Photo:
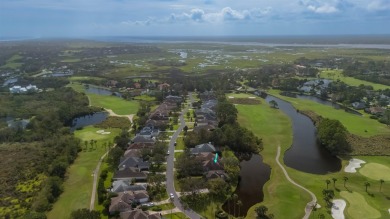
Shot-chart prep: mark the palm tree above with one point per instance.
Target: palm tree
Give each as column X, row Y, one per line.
column 345, row 180
column 327, row 183
column 235, row 196
column 239, row 204
column 367, row 184
column 334, row 182
column 381, row 181
column 86, row 144
column 95, row 142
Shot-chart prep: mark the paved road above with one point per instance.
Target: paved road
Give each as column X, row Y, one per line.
column 309, row 205
column 170, row 173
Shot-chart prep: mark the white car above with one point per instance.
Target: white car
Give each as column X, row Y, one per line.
column 171, row 195
column 168, row 152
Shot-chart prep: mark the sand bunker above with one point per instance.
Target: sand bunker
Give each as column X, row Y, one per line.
column 230, row 97
column 106, row 133
column 251, row 97
column 338, row 208
column 100, row 131
column 353, row 164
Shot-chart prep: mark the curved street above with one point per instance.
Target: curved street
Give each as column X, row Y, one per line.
column 309, row 206
column 170, row 164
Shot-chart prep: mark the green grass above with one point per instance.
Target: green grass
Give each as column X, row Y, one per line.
column 180, row 144
column 282, row 198
column 116, row 104
column 359, row 125
column 376, row 171
column 145, row 98
column 337, row 75
column 78, row 185
column 358, row 206
column 178, row 215
column 164, row 207
column 13, row 62
column 84, row 78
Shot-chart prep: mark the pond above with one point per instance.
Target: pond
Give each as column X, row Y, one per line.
column 305, row 154
column 90, row 119
column 253, row 175
column 328, row 103
column 101, row 91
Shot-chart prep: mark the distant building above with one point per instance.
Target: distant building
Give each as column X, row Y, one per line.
column 21, row 90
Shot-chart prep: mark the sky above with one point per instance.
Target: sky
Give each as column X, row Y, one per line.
column 75, row 18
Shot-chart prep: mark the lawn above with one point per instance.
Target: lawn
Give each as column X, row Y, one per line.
column 116, row 104
column 376, row 171
column 359, row 125
column 358, row 206
column 178, row 215
column 337, row 75
column 13, row 62
column 78, row 185
column 282, row 198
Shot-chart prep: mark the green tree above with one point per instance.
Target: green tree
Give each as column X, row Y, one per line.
column 235, row 197
column 239, row 204
column 114, row 157
column 345, row 180
column 327, row 183
column 261, row 212
column 218, row 188
column 273, row 104
column 381, row 181
column 333, row 136
column 334, row 182
column 226, row 112
column 367, row 184
column 84, row 214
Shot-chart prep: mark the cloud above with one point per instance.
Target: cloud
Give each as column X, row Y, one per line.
column 226, row 14
column 324, row 9
column 378, row 5
column 321, row 7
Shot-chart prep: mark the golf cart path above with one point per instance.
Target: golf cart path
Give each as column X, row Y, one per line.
column 111, row 113
column 309, row 205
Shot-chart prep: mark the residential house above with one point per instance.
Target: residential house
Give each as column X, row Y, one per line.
column 134, row 162
column 173, row 99
column 208, row 163
column 163, row 86
column 124, row 200
column 142, row 139
column 375, row 110
column 214, row 174
column 149, row 131
column 358, row 105
column 125, row 185
column 137, row 85
column 139, row 214
column 140, row 145
column 129, row 173
column 203, row 148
